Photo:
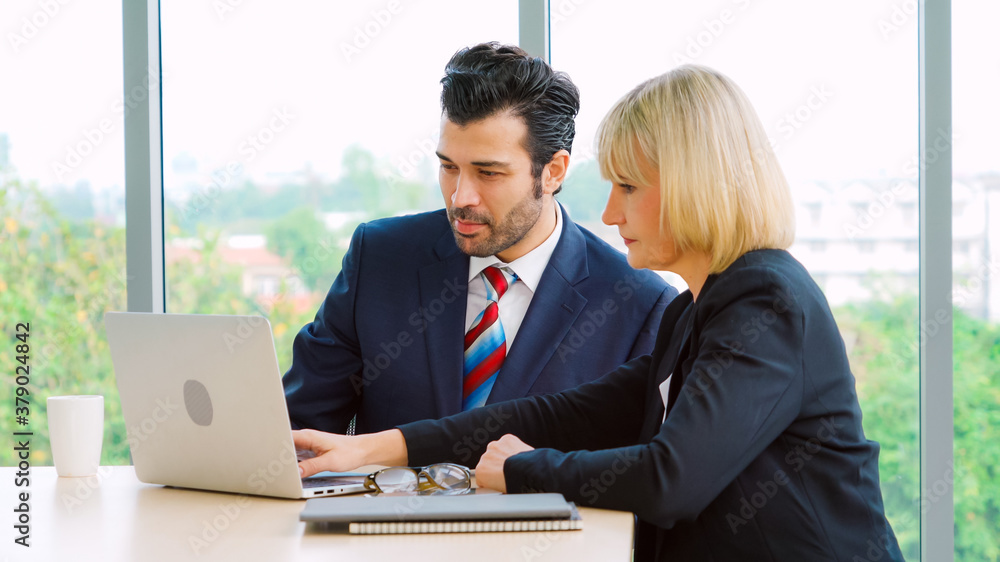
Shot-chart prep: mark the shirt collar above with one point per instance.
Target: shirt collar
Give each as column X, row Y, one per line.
column 529, row 267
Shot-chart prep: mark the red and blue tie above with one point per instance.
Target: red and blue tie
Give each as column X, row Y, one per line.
column 485, row 343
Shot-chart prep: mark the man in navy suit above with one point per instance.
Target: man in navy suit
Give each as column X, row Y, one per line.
column 389, row 345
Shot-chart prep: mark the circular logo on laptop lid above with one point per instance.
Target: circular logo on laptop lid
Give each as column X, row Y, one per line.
column 197, row 402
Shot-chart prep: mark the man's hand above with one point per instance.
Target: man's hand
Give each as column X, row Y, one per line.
column 340, row 453
column 489, row 471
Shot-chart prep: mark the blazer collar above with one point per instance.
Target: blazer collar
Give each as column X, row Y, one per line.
column 570, row 256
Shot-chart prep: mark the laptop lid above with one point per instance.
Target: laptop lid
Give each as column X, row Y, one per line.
column 203, row 404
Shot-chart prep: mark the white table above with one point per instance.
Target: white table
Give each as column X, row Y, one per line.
column 113, row 516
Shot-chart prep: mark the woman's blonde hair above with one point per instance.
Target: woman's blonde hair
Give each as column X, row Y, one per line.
column 722, row 190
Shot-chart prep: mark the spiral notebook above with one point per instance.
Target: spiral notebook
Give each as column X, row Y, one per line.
column 362, row 515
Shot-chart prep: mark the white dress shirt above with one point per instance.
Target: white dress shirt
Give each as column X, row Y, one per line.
column 664, row 394
column 514, row 303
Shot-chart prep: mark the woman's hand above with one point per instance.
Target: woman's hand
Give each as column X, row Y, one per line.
column 489, row 471
column 328, row 451
column 340, row 453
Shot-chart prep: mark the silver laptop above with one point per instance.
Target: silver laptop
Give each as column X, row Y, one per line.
column 204, row 407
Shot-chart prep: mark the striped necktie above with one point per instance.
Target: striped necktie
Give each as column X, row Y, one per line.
column 485, row 343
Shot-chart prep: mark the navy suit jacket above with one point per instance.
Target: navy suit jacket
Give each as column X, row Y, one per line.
column 386, row 344
column 761, row 455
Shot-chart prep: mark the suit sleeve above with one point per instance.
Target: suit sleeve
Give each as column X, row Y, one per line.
column 743, row 388
column 574, row 419
column 324, row 384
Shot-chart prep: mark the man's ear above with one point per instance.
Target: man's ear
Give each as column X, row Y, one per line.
column 554, row 172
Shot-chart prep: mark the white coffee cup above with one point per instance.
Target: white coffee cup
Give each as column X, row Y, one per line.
column 76, row 432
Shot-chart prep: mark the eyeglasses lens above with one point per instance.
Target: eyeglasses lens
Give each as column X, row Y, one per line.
column 397, row 480
column 449, row 477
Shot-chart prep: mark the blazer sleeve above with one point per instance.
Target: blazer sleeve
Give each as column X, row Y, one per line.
column 573, row 419
column 742, row 390
column 324, row 384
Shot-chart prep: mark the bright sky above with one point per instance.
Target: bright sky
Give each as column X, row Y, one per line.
column 835, row 84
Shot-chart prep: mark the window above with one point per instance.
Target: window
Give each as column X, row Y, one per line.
column 309, row 108
column 975, row 481
column 62, row 212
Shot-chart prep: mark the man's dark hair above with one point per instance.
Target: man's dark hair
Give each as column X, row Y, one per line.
column 489, row 78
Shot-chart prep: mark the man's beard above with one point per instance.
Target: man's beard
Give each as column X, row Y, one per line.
column 509, row 231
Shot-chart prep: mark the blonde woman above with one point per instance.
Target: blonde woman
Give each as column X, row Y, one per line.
column 739, row 437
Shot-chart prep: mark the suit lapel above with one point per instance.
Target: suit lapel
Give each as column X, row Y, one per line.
column 554, row 308
column 444, row 288
column 666, row 362
column 684, row 349
column 688, row 344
